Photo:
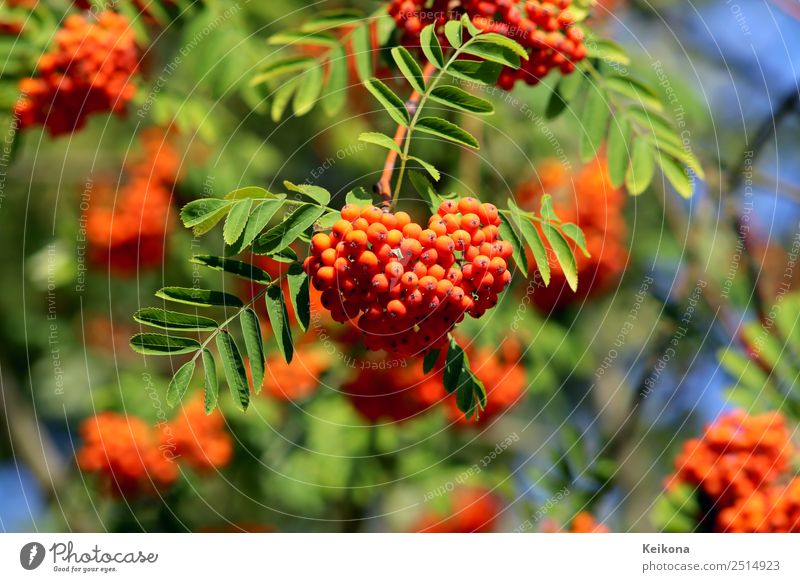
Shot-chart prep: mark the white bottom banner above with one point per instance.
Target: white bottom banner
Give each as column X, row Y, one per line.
column 357, row 557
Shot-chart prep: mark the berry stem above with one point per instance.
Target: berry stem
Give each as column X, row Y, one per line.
column 384, row 186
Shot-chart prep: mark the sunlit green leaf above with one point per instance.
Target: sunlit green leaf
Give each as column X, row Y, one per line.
column 446, row 130
column 180, row 383
column 173, row 320
column 156, row 344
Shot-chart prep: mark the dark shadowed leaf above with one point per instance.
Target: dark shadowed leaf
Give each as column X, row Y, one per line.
column 483, row 72
column 212, row 381
column 233, row 365
column 299, row 294
column 455, row 362
column 198, row 297
column 254, row 344
column 426, row 190
column 429, row 362
column 234, row 267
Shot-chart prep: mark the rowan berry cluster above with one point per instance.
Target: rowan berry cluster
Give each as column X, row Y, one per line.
column 200, row 439
column 775, row 509
column 405, row 286
column 397, row 393
column 545, row 29
column 124, row 450
column 89, row 70
column 134, row 458
column 589, row 199
column 472, row 510
column 128, row 231
column 393, row 393
column 741, row 466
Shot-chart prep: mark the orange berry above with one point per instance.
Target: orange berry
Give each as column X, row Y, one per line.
column 377, row 233
column 412, row 230
column 420, row 270
column 429, row 257
column 444, row 245
column 372, row 214
column 327, row 275
column 427, row 237
column 402, row 219
column 394, row 237
column 320, row 242
column 438, row 226
column 340, row 229
column 468, row 205
column 350, row 212
column 409, row 280
column 328, row 256
column 394, row 270
column 389, row 220
column 436, row 271
column 396, row 308
column 356, row 240
column 448, row 207
column 470, row 222
column 380, row 283
column 368, row 261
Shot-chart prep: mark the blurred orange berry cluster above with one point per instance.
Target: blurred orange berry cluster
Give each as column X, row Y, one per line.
column 588, row 199
column 741, row 466
column 128, row 231
column 298, row 380
column 472, row 510
column 89, row 70
column 399, row 390
column 583, row 522
column 133, row 458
